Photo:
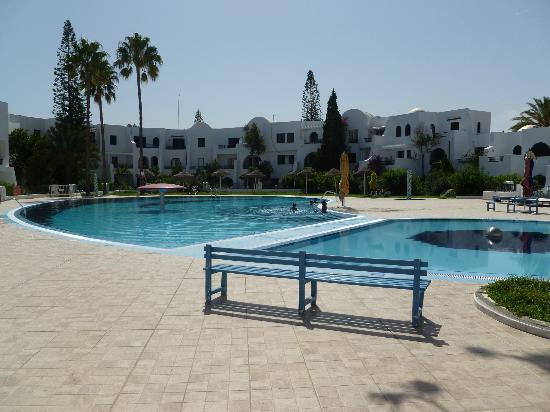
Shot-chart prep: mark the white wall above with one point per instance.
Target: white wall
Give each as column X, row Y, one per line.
column 7, row 174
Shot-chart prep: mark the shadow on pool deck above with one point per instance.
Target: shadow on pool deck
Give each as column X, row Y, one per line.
column 339, row 322
column 540, row 360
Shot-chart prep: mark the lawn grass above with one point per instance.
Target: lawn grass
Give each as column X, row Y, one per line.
column 523, row 296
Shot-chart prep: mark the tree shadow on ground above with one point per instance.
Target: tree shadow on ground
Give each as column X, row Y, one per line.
column 413, row 391
column 317, row 319
column 540, row 360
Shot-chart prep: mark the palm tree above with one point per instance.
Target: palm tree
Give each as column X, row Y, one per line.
column 85, row 64
column 105, row 86
column 537, row 115
column 135, row 53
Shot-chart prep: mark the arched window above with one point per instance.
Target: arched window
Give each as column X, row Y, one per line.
column 437, row 155
column 154, row 161
column 250, row 161
column 145, row 164
column 541, row 149
column 478, row 127
column 398, row 131
column 309, row 159
column 314, row 137
column 432, row 128
column 517, row 150
column 539, row 180
column 408, row 130
column 156, row 142
column 175, row 162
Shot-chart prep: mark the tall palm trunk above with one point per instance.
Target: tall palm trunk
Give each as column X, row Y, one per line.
column 103, row 158
column 138, row 75
column 87, row 142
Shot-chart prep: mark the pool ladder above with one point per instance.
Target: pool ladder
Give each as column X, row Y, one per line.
column 22, row 207
column 329, row 192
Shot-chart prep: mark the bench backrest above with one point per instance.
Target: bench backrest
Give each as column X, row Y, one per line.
column 304, row 260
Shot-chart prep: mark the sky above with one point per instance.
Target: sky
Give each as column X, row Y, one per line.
column 239, row 59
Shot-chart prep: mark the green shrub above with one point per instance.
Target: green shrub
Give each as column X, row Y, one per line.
column 470, row 181
column 523, row 296
column 395, row 181
column 9, row 188
column 437, row 182
column 497, row 182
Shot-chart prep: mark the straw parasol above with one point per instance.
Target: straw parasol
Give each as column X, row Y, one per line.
column 363, row 171
column 344, row 181
column 221, row 174
column 306, row 171
column 334, row 173
column 185, row 176
column 256, row 174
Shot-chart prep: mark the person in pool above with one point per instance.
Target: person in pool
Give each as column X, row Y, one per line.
column 324, row 206
column 293, row 208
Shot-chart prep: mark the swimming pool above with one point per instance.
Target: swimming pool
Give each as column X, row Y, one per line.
column 449, row 246
column 184, row 220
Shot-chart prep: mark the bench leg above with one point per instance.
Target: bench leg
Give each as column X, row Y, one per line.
column 313, row 293
column 301, row 296
column 224, row 285
column 208, row 287
column 416, row 311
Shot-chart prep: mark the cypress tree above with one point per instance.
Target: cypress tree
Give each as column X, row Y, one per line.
column 198, row 117
column 311, row 102
column 67, row 138
column 334, row 141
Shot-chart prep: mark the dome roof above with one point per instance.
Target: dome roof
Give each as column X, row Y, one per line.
column 526, row 127
column 416, row 110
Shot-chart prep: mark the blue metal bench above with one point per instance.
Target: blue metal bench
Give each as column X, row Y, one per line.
column 313, row 268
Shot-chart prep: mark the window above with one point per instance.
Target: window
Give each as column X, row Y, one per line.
column 290, row 137
column 143, row 140
column 400, row 154
column 314, row 138
column 201, row 142
column 409, row 154
column 478, row 127
column 145, row 164
column 114, row 161
column 290, row 159
column 178, row 144
column 154, row 161
column 233, row 142
column 353, row 136
column 280, row 137
column 200, row 162
column 408, row 130
column 398, row 131
column 352, row 157
column 112, row 140
column 36, row 132
column 517, row 150
column 175, row 162
column 432, row 127
column 156, row 142
column 455, row 125
column 281, row 159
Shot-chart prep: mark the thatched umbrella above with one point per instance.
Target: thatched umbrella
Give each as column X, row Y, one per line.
column 293, row 173
column 185, row 176
column 221, row 174
column 306, row 171
column 363, row 172
column 334, row 173
column 256, row 174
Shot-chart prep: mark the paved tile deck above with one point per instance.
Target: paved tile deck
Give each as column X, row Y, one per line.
column 93, row 327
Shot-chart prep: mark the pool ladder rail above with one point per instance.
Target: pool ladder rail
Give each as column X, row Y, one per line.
column 22, row 207
column 330, row 192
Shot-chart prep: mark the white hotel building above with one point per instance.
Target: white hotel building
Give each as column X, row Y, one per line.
column 289, row 145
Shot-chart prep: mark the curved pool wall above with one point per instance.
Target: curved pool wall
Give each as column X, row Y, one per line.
column 523, row 248
column 185, row 220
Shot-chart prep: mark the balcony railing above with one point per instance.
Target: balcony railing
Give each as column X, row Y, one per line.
column 313, row 142
column 227, row 166
column 227, row 146
column 368, row 139
column 169, row 147
column 388, row 161
column 123, row 165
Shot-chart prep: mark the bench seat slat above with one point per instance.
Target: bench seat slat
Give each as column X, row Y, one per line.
column 255, row 252
column 366, row 268
column 258, row 271
column 313, row 258
column 254, row 259
column 371, row 280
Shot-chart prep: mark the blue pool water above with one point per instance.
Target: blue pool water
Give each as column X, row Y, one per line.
column 184, row 221
column 449, row 246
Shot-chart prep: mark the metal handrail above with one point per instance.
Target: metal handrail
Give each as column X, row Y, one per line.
column 331, row 192
column 22, row 207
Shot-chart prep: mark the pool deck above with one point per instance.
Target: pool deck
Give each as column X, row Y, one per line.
column 88, row 326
